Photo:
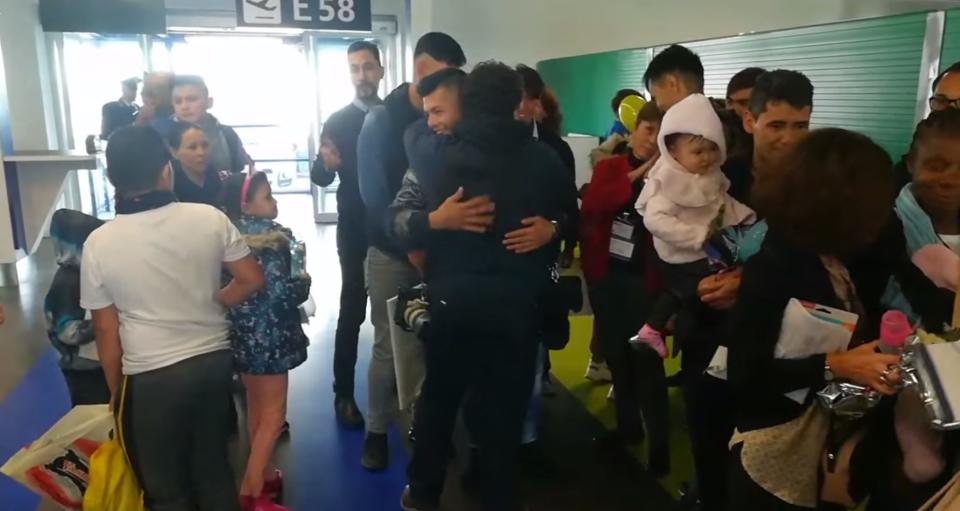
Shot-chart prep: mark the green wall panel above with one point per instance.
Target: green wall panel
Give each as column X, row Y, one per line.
column 865, row 73
column 951, row 40
column 585, row 85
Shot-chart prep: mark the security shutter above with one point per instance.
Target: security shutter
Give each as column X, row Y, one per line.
column 865, row 73
column 585, row 85
column 951, row 40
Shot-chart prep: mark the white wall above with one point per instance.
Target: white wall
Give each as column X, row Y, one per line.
column 29, row 87
column 528, row 31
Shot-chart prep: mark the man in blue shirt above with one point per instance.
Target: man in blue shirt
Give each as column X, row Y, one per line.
column 381, row 164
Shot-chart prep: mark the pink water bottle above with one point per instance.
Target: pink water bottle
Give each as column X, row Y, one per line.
column 894, row 330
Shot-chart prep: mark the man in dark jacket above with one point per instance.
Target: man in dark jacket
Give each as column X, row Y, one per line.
column 946, row 94
column 191, row 103
column 486, row 300
column 338, row 156
column 120, row 113
column 381, row 164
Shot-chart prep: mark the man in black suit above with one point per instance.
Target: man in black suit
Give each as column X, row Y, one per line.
column 120, row 113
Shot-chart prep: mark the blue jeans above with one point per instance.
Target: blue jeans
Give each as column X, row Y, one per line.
column 531, row 422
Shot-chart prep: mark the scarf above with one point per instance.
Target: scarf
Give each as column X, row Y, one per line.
column 926, row 250
column 146, row 202
column 917, row 226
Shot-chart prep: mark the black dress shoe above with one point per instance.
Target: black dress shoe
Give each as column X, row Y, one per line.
column 408, row 503
column 615, row 441
column 348, row 415
column 535, row 461
column 658, row 461
column 376, row 455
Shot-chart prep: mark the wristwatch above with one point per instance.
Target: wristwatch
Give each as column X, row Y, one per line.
column 827, row 372
column 556, row 229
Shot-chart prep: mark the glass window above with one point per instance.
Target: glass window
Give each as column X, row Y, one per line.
column 94, row 67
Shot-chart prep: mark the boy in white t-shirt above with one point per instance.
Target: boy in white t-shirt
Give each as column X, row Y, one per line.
column 151, row 278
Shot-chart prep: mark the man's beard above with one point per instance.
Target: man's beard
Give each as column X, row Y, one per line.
column 366, row 91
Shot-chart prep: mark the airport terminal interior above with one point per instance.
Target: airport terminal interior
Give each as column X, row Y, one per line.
column 693, row 255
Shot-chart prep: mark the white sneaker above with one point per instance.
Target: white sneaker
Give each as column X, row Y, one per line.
column 610, row 395
column 598, row 372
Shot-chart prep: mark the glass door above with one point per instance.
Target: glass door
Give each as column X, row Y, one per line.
column 93, row 68
column 260, row 86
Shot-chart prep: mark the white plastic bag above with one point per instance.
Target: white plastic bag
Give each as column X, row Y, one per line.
column 56, row 465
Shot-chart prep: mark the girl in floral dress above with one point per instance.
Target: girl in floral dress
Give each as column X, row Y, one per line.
column 267, row 338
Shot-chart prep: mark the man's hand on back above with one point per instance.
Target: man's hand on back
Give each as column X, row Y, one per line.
column 455, row 214
column 538, row 232
column 720, row 291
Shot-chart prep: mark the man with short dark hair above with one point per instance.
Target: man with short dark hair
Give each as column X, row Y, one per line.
column 779, row 117
column 191, row 103
column 338, row 156
column 120, row 113
column 672, row 75
column 946, row 89
column 946, row 94
column 381, row 164
column 485, row 298
column 740, row 87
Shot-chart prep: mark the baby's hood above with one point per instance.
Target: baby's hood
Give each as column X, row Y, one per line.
column 694, row 115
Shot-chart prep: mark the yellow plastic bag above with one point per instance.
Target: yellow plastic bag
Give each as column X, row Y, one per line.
column 113, row 485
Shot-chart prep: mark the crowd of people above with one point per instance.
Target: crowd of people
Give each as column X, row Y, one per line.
column 702, row 222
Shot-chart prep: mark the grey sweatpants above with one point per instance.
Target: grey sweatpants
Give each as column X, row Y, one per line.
column 386, row 275
column 175, row 428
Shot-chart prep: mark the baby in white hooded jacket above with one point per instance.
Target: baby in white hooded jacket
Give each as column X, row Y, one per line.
column 685, row 201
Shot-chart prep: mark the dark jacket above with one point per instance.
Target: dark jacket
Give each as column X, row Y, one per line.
column 187, row 191
column 238, row 154
column 779, row 272
column 266, row 334
column 116, row 115
column 562, row 149
column 382, row 162
column 343, row 128
column 499, row 159
column 67, row 326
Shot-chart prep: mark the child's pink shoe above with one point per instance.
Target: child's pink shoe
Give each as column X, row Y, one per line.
column 652, row 338
column 261, row 503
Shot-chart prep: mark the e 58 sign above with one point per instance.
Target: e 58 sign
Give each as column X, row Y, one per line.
column 352, row 15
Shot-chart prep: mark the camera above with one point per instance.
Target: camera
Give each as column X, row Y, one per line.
column 412, row 313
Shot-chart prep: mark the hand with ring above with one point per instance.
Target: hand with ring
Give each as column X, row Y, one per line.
column 865, row 366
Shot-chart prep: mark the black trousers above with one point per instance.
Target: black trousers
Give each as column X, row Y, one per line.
column 352, row 250
column 620, row 308
column 87, row 387
column 709, row 403
column 175, row 427
column 482, row 342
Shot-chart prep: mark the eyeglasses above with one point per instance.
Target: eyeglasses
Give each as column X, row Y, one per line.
column 941, row 102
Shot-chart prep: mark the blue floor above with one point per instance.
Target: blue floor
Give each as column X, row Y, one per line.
column 322, row 461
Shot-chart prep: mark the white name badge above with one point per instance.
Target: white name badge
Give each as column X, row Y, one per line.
column 622, row 229
column 621, row 249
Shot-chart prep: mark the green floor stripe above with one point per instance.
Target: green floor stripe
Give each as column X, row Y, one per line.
column 568, row 367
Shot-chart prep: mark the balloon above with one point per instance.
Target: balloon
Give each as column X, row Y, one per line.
column 629, row 111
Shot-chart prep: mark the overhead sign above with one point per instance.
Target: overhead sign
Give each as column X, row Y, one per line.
column 351, row 15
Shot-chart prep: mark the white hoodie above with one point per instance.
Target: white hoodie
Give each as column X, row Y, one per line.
column 679, row 206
